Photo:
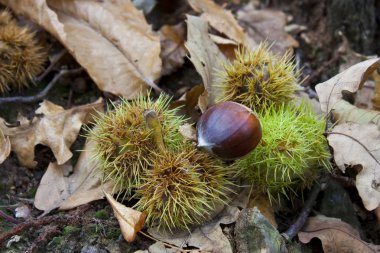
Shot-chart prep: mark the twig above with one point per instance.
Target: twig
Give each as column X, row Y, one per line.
column 298, row 224
column 43, row 93
column 8, row 218
column 51, row 66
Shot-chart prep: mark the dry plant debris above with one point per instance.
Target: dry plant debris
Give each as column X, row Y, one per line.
column 114, row 43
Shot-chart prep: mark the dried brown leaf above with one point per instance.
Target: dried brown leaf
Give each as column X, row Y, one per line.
column 222, row 20
column 110, row 39
column 173, row 49
column 205, row 55
column 208, row 237
column 5, row 146
column 53, row 127
column 336, row 236
column 267, row 25
column 57, row 189
column 130, row 220
column 53, row 188
column 331, row 92
column 358, row 144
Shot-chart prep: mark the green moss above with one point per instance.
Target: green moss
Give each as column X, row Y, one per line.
column 291, row 153
column 102, row 214
column 70, row 230
column 258, row 79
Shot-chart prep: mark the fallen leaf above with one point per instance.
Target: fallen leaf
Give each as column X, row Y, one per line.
column 173, row 50
column 85, row 184
column 336, row 236
column 226, row 46
column 5, row 146
column 222, row 20
column 187, row 103
column 53, row 127
column 110, row 39
column 267, row 25
column 57, row 189
column 207, row 238
column 358, row 144
column 350, row 80
column 188, row 132
column 205, row 55
column 130, row 220
column 53, row 188
column 346, row 112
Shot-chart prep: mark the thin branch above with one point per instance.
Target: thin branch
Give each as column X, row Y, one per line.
column 8, row 218
column 298, row 224
column 57, row 58
column 43, row 93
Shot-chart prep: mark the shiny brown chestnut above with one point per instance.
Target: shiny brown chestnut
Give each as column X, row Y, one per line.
column 228, row 130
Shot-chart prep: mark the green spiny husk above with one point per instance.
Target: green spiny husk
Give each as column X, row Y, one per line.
column 258, row 79
column 124, row 142
column 291, row 154
column 182, row 188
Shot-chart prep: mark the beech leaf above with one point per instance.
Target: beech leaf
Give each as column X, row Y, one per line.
column 336, row 236
column 130, row 220
column 358, row 144
column 110, row 39
column 53, row 127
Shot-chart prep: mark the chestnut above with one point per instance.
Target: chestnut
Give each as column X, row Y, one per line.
column 228, row 130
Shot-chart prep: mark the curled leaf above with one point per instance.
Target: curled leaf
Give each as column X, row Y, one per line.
column 130, row 220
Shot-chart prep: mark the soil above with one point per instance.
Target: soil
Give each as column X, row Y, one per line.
column 92, row 227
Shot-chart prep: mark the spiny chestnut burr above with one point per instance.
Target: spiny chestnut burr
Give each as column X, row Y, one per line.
column 228, row 130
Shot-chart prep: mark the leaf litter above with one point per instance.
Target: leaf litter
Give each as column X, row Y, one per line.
column 126, row 67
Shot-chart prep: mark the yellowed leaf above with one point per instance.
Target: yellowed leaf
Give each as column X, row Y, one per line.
column 358, row 144
column 267, row 25
column 222, row 20
column 130, row 220
column 173, row 50
column 58, row 189
column 5, row 146
column 110, row 39
column 336, row 236
column 205, row 55
column 53, row 127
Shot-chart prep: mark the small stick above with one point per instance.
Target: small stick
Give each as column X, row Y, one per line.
column 153, row 123
column 298, row 224
column 8, row 218
column 50, row 67
column 43, row 93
